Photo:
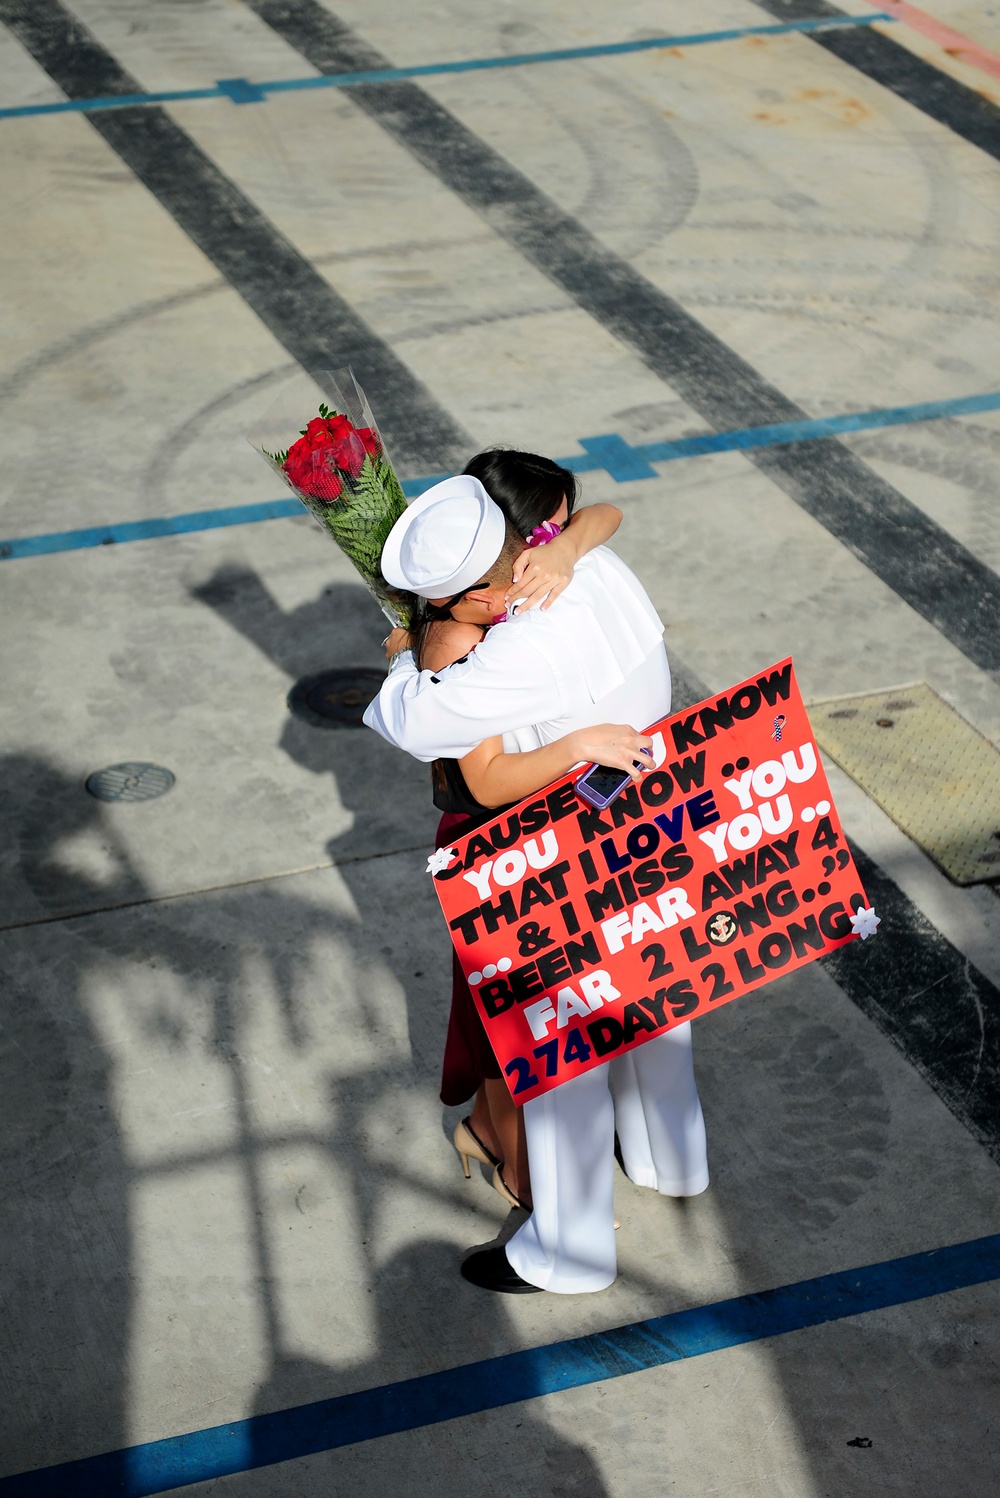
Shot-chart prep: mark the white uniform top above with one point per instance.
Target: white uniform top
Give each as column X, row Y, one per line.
column 596, row 656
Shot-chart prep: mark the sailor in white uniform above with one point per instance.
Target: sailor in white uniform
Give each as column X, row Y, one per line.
column 595, row 656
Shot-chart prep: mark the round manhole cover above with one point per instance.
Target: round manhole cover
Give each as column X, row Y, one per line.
column 133, row 781
column 335, row 699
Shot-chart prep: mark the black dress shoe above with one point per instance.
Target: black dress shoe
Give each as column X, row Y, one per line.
column 491, row 1269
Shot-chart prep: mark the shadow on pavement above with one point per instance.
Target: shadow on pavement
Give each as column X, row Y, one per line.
column 65, row 1232
column 414, row 1292
column 185, row 977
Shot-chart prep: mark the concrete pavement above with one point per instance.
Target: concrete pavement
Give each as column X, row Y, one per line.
column 228, row 1186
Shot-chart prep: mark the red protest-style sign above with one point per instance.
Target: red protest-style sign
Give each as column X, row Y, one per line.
column 584, row 933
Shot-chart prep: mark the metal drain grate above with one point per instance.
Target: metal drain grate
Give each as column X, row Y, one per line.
column 335, row 699
column 133, row 781
column 935, row 775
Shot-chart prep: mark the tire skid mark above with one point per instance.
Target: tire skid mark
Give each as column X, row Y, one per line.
column 917, row 559
column 277, row 282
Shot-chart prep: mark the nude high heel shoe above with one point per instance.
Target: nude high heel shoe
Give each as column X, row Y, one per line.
column 469, row 1146
column 500, row 1185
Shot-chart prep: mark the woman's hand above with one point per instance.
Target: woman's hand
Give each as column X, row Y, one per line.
column 614, row 744
column 397, row 640
column 497, row 779
column 541, row 573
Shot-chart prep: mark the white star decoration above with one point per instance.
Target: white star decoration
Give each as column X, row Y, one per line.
column 865, row 922
column 440, row 859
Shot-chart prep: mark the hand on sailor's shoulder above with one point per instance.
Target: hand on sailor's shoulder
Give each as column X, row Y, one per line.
column 541, row 573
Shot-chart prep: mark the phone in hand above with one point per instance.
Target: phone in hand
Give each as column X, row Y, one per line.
column 601, row 784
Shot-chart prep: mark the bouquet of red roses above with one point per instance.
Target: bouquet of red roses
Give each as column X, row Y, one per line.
column 337, row 465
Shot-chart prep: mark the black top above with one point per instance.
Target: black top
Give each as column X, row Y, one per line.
column 451, row 792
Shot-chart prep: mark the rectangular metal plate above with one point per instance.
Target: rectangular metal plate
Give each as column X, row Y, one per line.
column 935, row 775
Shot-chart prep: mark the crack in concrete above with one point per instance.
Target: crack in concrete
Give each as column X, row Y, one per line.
column 208, row 889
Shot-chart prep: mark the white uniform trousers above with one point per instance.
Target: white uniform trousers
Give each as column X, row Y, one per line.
column 649, row 1094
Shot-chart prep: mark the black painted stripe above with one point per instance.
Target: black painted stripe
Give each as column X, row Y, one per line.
column 931, row 1002
column 928, row 999
column 920, row 561
column 302, row 310
column 885, row 61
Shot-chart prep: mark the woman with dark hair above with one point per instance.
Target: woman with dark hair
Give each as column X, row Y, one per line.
column 538, row 499
column 528, row 488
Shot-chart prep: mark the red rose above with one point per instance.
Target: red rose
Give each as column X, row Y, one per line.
column 317, row 432
column 345, row 446
column 311, row 472
column 326, row 445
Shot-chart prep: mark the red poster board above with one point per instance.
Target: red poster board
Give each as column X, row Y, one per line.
column 584, row 933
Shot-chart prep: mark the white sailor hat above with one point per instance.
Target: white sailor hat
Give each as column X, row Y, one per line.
column 446, row 541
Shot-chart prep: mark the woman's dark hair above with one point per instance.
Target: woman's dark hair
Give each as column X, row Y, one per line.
column 528, row 488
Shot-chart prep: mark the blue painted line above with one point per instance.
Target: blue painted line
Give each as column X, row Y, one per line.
column 783, row 433
column 415, row 1403
column 610, row 453
column 242, row 91
column 111, row 101
column 145, row 530
column 169, row 525
column 616, row 456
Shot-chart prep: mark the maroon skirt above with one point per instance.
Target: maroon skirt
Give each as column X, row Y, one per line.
column 468, row 1055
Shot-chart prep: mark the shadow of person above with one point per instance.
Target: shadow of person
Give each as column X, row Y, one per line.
column 387, row 793
column 65, row 1238
column 343, row 628
column 418, row 1292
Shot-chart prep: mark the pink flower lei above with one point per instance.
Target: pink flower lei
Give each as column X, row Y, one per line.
column 542, row 534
